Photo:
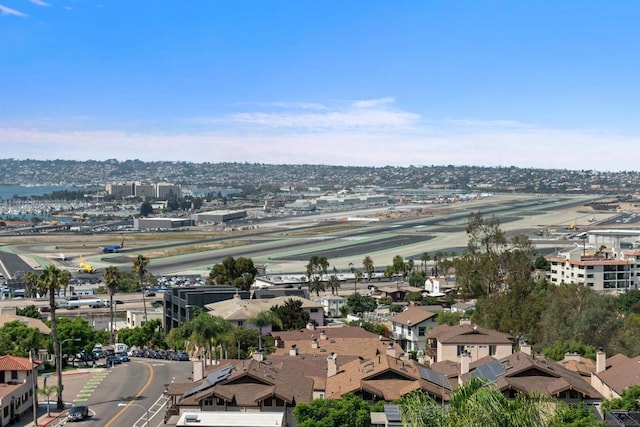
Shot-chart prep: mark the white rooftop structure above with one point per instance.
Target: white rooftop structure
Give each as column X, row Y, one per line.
column 235, row 419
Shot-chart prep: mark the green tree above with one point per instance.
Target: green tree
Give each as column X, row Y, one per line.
column 474, row 404
column 568, row 415
column 367, row 264
column 16, row 339
column 357, row 303
column 316, row 270
column 350, row 411
column 47, row 391
column 333, row 282
column 450, row 318
column 29, row 311
column 140, row 268
column 264, row 319
column 424, row 260
column 629, row 400
column 208, row 331
column 292, row 315
column 110, row 278
column 560, row 348
column 146, row 209
column 492, row 261
column 629, row 302
column 30, row 280
column 239, row 273
column 399, row 266
column 149, row 334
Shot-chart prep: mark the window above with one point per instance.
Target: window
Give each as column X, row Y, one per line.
column 460, row 350
column 240, row 322
column 421, row 331
column 492, row 350
column 14, row 375
column 313, row 310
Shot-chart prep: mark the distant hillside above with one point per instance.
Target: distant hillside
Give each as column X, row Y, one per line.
column 327, row 177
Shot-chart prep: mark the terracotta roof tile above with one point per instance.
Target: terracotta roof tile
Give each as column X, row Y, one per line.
column 13, row 363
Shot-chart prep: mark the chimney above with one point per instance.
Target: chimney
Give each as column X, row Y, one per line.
column 465, row 359
column 601, row 361
column 391, row 351
column 314, row 343
column 323, row 335
column 258, row 355
column 294, row 350
column 525, row 348
column 198, row 370
column 465, row 321
column 311, row 326
column 332, row 366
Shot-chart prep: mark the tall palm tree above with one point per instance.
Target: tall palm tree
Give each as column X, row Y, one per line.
column 208, row 330
column 51, row 279
column 334, row 283
column 110, row 277
column 424, row 258
column 357, row 278
column 140, row 268
column 264, row 319
column 47, row 391
column 367, row 264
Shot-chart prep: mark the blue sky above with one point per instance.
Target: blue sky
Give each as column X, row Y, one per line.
column 550, row 84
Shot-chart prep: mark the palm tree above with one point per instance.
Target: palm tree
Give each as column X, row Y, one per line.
column 139, row 267
column 367, row 263
column 208, row 330
column 110, row 278
column 334, row 283
column 51, row 279
column 47, row 391
column 264, row 319
column 425, row 259
column 30, row 280
column 357, row 278
column 316, row 285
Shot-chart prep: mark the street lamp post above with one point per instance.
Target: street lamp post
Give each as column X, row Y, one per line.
column 59, row 369
column 146, row 410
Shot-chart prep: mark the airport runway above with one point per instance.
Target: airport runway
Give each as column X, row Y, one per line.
column 285, row 245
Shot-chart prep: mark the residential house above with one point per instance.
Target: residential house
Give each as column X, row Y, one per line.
column 239, row 312
column 241, row 386
column 410, row 327
column 348, row 342
column 447, row 342
column 16, row 387
column 397, row 293
column 523, row 373
column 614, row 374
column 332, row 305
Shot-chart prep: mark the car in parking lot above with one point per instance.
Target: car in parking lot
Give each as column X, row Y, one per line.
column 124, row 357
column 78, row 413
column 113, row 360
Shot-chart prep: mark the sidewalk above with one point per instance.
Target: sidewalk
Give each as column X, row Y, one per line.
column 70, row 389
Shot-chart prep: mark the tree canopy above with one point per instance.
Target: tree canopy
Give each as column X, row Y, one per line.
column 239, row 273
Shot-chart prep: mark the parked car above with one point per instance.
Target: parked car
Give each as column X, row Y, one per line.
column 78, row 413
column 113, row 360
column 123, row 357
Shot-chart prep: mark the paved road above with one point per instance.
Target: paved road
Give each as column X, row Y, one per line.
column 137, row 385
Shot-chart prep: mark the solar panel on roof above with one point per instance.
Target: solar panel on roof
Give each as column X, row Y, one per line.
column 489, row 371
column 211, row 380
column 392, row 412
column 434, row 377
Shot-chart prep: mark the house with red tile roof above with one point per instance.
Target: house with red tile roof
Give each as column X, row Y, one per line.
column 16, row 387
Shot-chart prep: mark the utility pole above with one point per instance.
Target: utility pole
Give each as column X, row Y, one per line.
column 34, row 378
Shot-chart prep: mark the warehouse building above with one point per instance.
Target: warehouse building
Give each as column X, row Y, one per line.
column 219, row 216
column 161, row 223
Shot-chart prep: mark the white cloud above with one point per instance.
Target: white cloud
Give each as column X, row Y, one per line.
column 40, row 3
column 370, row 103
column 4, row 10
